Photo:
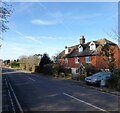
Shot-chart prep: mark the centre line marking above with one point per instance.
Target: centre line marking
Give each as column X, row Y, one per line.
column 84, row 102
column 31, row 79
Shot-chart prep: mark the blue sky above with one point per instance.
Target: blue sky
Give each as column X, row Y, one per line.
column 38, row 27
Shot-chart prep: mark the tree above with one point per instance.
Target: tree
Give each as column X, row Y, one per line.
column 5, row 12
column 29, row 62
column 6, row 62
column 109, row 57
column 45, row 60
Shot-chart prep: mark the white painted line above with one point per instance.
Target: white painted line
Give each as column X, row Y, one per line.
column 31, row 79
column 20, row 108
column 13, row 107
column 85, row 102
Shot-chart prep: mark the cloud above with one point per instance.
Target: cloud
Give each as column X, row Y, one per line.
column 87, row 16
column 28, row 37
column 43, row 22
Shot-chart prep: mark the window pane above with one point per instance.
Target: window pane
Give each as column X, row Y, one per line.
column 77, row 59
column 66, row 60
column 88, row 59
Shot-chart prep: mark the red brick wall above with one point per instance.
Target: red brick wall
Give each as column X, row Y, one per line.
column 72, row 63
column 102, row 62
column 93, row 60
column 116, row 55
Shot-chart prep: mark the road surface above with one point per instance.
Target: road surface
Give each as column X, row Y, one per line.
column 29, row 92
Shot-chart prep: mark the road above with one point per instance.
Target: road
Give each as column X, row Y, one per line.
column 30, row 92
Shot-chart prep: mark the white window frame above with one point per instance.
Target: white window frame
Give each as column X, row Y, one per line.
column 86, row 58
column 80, row 48
column 77, row 60
column 92, row 46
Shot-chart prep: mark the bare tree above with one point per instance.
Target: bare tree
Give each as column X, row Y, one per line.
column 5, row 12
column 115, row 34
column 30, row 62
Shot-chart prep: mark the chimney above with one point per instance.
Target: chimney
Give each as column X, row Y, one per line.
column 82, row 40
column 66, row 50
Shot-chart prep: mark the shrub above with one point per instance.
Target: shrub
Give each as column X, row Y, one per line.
column 89, row 69
column 55, row 70
column 116, row 71
column 33, row 68
column 81, row 77
column 113, row 81
column 47, row 69
column 14, row 65
column 28, row 67
column 66, row 71
column 61, row 74
column 22, row 66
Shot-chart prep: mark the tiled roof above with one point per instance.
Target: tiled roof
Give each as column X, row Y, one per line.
column 74, row 52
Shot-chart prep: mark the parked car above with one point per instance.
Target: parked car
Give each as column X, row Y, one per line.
column 98, row 79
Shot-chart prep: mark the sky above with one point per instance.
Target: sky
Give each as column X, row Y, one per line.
column 47, row 27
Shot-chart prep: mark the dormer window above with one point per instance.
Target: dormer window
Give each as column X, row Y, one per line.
column 92, row 46
column 80, row 48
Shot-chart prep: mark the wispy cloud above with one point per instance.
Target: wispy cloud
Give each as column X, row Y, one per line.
column 86, row 16
column 43, row 22
column 28, row 37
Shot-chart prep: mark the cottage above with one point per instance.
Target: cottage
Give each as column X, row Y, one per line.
column 89, row 52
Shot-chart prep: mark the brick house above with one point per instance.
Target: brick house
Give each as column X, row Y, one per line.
column 90, row 52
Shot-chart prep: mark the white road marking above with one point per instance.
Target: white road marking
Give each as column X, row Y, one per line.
column 13, row 107
column 20, row 108
column 31, row 79
column 85, row 102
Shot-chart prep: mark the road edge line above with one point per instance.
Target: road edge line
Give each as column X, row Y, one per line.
column 85, row 102
column 13, row 107
column 18, row 103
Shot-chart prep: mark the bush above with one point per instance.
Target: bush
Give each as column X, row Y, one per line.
column 22, row 66
column 14, row 65
column 47, row 69
column 54, row 69
column 113, row 81
column 81, row 77
column 89, row 69
column 116, row 71
column 61, row 74
column 66, row 71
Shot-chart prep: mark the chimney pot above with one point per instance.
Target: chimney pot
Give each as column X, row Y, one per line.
column 82, row 39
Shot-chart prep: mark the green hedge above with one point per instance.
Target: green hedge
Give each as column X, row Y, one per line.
column 15, row 65
column 54, row 70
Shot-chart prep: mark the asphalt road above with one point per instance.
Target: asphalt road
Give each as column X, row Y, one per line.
column 30, row 92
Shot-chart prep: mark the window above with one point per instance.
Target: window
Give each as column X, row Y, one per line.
column 77, row 70
column 77, row 60
column 66, row 60
column 92, row 46
column 88, row 59
column 80, row 48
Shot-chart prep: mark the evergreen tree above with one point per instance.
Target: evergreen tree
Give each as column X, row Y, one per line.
column 45, row 60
